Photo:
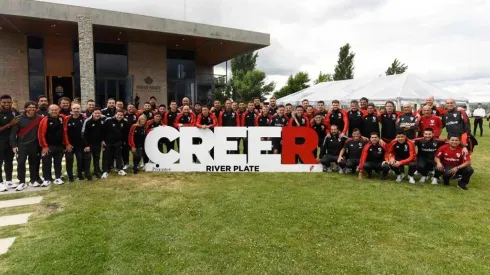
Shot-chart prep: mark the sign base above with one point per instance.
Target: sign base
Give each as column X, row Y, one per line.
column 295, row 168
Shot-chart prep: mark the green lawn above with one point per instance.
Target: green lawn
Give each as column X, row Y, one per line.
column 256, row 224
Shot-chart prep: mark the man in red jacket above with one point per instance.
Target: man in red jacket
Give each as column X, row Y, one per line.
column 452, row 161
column 429, row 120
column 337, row 117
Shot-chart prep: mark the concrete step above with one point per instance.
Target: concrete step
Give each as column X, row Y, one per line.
column 5, row 244
column 20, row 202
column 28, row 189
column 14, row 219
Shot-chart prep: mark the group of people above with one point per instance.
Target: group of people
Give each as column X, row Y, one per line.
column 363, row 139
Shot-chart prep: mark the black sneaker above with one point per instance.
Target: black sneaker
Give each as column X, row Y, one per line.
column 135, row 171
column 71, row 179
column 89, row 178
column 81, row 178
column 462, row 186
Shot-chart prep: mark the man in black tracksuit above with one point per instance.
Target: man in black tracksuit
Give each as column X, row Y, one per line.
column 42, row 103
column 331, row 147
column 131, row 117
column 24, row 141
column 408, row 122
column 112, row 132
column 92, row 140
column 350, row 155
column 426, row 152
column 373, row 158
column 110, row 109
column 53, row 142
column 7, row 120
column 457, row 125
column 248, row 120
column 73, row 125
column 370, row 123
column 230, row 118
column 321, row 131
column 355, row 117
column 279, row 120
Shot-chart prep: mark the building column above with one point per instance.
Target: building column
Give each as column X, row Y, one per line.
column 86, row 57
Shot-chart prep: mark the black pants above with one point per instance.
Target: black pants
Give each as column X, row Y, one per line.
column 52, row 158
column 138, row 156
column 478, row 122
column 30, row 154
column 276, row 145
column 111, row 152
column 350, row 164
column 7, row 158
column 465, row 174
column 423, row 165
column 401, row 169
column 87, row 158
column 370, row 166
column 125, row 153
column 76, row 152
column 327, row 159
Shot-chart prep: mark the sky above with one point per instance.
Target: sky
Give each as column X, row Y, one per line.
column 445, row 42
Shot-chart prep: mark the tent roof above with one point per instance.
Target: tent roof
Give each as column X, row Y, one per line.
column 394, row 87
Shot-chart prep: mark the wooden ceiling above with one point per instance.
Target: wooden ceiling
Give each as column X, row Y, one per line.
column 208, row 51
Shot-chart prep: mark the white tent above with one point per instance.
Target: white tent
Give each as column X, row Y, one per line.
column 399, row 88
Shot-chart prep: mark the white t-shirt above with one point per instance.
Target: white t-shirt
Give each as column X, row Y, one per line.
column 479, row 112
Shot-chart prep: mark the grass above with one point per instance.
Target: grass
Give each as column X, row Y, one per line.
column 291, row 223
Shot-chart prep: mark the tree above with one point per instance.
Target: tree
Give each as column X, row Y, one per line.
column 323, row 78
column 247, row 82
column 396, row 68
column 294, row 84
column 345, row 64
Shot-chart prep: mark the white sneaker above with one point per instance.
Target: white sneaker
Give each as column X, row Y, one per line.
column 58, row 181
column 341, row 171
column 423, row 179
column 400, row 177
column 46, row 183
column 10, row 185
column 35, row 184
column 434, row 181
column 329, row 169
column 142, row 165
column 416, row 173
column 125, row 167
column 121, row 173
column 3, row 188
column 21, row 187
column 104, row 175
column 411, row 180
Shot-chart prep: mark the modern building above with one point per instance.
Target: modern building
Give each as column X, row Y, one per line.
column 60, row 50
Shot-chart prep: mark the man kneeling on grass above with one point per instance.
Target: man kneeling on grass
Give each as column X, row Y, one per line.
column 400, row 152
column 372, row 158
column 451, row 161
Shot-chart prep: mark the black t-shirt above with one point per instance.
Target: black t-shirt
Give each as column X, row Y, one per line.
column 5, row 118
column 353, row 148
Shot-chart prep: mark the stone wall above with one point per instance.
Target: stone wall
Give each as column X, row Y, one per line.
column 86, row 53
column 14, row 77
column 148, row 66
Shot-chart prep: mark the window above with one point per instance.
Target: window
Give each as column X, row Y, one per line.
column 111, row 60
column 35, row 60
column 36, row 86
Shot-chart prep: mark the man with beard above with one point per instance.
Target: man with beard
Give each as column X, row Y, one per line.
column 248, row 120
column 90, row 108
column 337, row 117
column 355, row 117
column 310, row 114
column 241, row 108
column 257, row 105
column 401, row 152
column 52, row 139
column 112, row 132
column 331, row 147
column 73, row 125
column 153, row 123
column 363, row 104
column 234, row 106
column 350, row 155
column 305, row 103
column 321, row 131
column 216, row 110
column 92, row 139
column 229, row 118
column 185, row 102
column 153, row 103
column 370, row 123
column 272, row 107
column 388, row 122
column 279, row 120
column 408, row 122
column 429, row 120
column 197, row 110
column 426, row 150
column 451, row 161
column 373, row 158
column 42, row 102
column 110, row 109
column 147, row 111
column 25, row 143
column 8, row 118
column 65, row 105
column 298, row 119
column 457, row 125
column 119, row 105
column 162, row 109
column 288, row 111
column 206, row 120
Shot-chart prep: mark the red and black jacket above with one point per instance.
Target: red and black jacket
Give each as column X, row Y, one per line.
column 209, row 120
column 229, row 119
column 262, row 120
column 150, row 124
column 186, row 120
column 248, row 118
column 51, row 132
column 137, row 136
column 72, row 129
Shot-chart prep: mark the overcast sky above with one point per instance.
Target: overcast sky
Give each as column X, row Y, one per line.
column 445, row 42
